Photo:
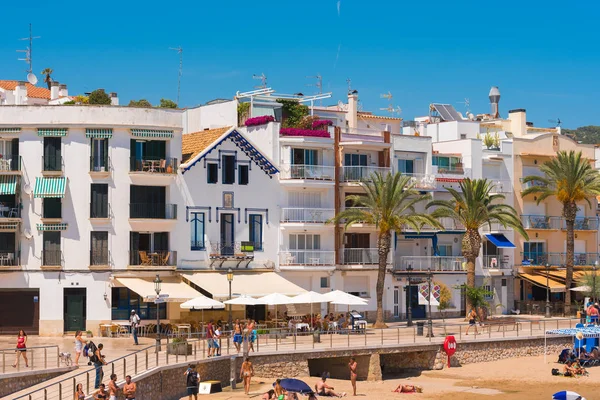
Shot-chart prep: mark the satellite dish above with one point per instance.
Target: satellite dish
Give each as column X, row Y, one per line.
column 27, row 190
column 27, row 234
column 31, row 78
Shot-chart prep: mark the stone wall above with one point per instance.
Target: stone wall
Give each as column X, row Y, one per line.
column 337, row 367
column 17, row 381
column 396, row 362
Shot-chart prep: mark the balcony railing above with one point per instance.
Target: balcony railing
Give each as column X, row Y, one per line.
column 496, row 261
column 153, row 165
column 100, row 211
column 448, row 224
column 501, row 186
column 52, row 257
column 361, row 256
column 307, row 215
column 451, row 169
column 423, row 263
column 10, row 164
column 234, row 249
column 197, row 245
column 315, row 172
column 306, row 257
column 100, row 257
column 356, row 208
column 9, row 259
column 10, row 211
column 100, row 164
column 422, row 181
column 527, row 185
column 52, row 163
column 540, row 222
column 152, row 211
column 153, row 258
column 361, row 173
column 541, row 259
column 353, row 134
column 583, row 224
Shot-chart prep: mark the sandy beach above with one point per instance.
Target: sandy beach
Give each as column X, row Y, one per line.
column 511, row 379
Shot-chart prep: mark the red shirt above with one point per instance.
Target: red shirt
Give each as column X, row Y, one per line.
column 21, row 342
column 209, row 331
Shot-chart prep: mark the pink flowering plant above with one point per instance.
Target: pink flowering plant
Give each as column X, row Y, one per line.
column 321, row 123
column 303, row 132
column 262, row 120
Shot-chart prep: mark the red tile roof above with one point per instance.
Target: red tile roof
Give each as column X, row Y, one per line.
column 32, row 91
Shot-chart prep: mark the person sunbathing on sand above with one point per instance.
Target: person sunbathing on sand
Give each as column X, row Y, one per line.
column 408, row 389
column 323, row 389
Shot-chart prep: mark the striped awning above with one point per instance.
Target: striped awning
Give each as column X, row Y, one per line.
column 98, row 133
column 52, row 187
column 151, row 133
column 8, row 226
column 51, row 227
column 53, row 131
column 10, row 130
column 8, row 184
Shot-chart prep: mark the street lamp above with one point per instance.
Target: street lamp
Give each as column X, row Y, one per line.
column 409, row 321
column 547, row 291
column 429, row 321
column 230, row 279
column 157, row 283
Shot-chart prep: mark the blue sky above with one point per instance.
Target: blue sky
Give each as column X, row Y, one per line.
column 544, row 56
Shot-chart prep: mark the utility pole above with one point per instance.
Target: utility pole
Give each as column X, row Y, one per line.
column 180, row 51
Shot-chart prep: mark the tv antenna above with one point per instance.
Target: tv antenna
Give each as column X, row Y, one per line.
column 390, row 108
column 556, row 122
column 180, row 51
column 318, row 85
column 349, row 82
column 28, row 50
column 467, row 104
column 263, row 81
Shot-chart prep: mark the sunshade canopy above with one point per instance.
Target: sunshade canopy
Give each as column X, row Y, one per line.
column 295, row 386
column 339, row 297
column 588, row 332
column 50, row 187
column 242, row 300
column 274, row 299
column 310, row 298
column 500, row 240
column 8, row 184
column 555, row 287
column 177, row 290
column 581, row 289
column 202, row 303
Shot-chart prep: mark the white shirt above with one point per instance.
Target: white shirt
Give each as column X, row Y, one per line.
column 135, row 320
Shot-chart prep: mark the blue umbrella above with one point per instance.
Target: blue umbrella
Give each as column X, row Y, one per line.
column 567, row 395
column 295, row 386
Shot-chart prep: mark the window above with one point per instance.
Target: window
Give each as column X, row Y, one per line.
column 355, row 160
column 463, row 136
column 141, row 152
column 52, row 159
column 490, row 294
column 52, row 208
column 228, row 167
column 99, row 201
column 51, row 254
column 324, row 282
column 149, row 202
column 243, row 172
column 534, row 253
column 99, row 248
column 212, row 173
column 305, row 157
column 99, row 157
column 197, row 231
column 256, row 231
column 444, row 250
column 406, row 166
column 124, row 300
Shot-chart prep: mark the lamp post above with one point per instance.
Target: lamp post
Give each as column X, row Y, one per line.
column 547, row 291
column 157, row 283
column 429, row 321
column 230, row 279
column 409, row 321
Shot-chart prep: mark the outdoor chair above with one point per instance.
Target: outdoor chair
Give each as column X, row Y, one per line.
column 165, row 260
column 13, row 213
column 123, row 330
column 114, row 330
column 144, row 259
column 162, row 167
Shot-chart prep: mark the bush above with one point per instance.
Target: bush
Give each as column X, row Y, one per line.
column 99, row 97
column 166, row 103
column 262, row 120
column 142, row 103
column 303, row 132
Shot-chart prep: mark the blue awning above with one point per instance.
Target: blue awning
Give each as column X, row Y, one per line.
column 500, row 240
column 419, row 235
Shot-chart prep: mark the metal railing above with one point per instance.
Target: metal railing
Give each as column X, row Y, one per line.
column 423, row 263
column 542, row 258
column 100, row 257
column 234, row 249
column 11, row 211
column 583, row 224
column 154, row 258
column 100, row 211
column 422, row 181
column 197, row 245
column 306, row 257
column 527, row 185
column 361, row 256
column 494, row 227
column 448, row 224
column 356, row 208
column 10, row 259
column 10, row 164
column 361, row 173
column 153, row 165
column 38, row 357
column 100, row 164
column 52, row 257
column 496, row 261
column 152, row 211
column 501, row 186
column 540, row 222
column 307, row 215
column 454, row 169
column 52, row 163
column 316, row 172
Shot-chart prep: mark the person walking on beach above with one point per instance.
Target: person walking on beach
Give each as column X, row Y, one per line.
column 113, row 389
column 192, row 382
column 98, row 359
column 246, row 372
column 135, row 322
column 129, row 388
column 472, row 321
column 21, row 348
column 237, row 335
column 353, row 365
column 210, row 334
column 79, row 343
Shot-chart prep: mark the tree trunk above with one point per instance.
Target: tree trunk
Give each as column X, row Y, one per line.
column 471, row 244
column 383, row 248
column 570, row 213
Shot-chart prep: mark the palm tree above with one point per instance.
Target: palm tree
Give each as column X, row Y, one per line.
column 474, row 207
column 389, row 205
column 570, row 178
column 48, row 79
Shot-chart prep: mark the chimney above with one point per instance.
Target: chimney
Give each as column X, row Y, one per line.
column 518, row 122
column 114, row 100
column 62, row 90
column 54, row 90
column 21, row 93
column 494, row 100
column 352, row 114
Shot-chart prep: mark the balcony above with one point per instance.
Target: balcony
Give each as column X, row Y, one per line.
column 541, row 259
column 496, row 261
column 306, row 215
column 361, row 257
column 309, row 172
column 436, row 264
column 540, row 222
column 306, row 257
column 152, row 258
column 527, row 185
column 448, row 224
column 501, row 186
column 153, row 165
column 9, row 210
column 422, row 181
column 99, row 258
column 52, row 258
column 454, row 170
column 362, row 135
column 583, row 224
column 233, row 251
column 361, row 173
column 100, row 165
column 152, row 211
column 100, row 211
column 52, row 165
column 9, row 259
column 8, row 165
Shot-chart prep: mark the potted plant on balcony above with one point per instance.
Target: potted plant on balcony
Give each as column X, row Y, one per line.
column 179, row 346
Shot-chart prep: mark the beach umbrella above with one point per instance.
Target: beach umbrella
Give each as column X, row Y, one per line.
column 243, row 300
column 345, row 299
column 567, row 395
column 295, row 386
column 274, row 299
column 310, row 298
column 202, row 303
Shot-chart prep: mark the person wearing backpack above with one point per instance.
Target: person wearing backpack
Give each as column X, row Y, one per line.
column 192, row 382
column 98, row 359
column 135, row 322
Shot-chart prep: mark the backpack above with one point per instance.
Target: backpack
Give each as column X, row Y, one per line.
column 90, row 351
column 555, row 371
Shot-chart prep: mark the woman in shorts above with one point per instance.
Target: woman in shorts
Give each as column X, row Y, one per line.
column 21, row 348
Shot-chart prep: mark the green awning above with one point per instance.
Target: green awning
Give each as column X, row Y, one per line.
column 8, row 184
column 98, row 133
column 51, row 227
column 53, row 131
column 151, row 133
column 50, row 187
column 10, row 130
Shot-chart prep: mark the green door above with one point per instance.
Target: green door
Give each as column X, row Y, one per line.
column 74, row 306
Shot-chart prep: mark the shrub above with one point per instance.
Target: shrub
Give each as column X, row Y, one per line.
column 262, row 120
column 303, row 132
column 321, row 123
column 99, row 97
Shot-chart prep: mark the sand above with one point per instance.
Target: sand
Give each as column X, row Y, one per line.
column 512, row 379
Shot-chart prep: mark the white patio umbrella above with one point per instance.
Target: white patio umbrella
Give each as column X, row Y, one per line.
column 274, row 299
column 310, row 298
column 243, row 300
column 581, row 289
column 345, row 299
column 202, row 303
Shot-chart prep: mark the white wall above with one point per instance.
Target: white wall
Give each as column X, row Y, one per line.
column 210, row 116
